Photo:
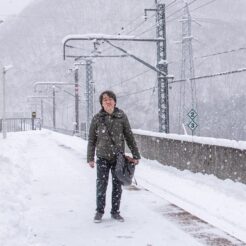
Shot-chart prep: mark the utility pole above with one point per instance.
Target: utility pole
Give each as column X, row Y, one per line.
column 76, row 95
column 162, row 69
column 54, row 106
column 187, row 88
column 89, row 94
column 3, row 72
column 4, row 125
column 42, row 111
column 163, row 102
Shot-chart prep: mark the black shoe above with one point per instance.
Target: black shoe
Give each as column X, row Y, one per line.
column 98, row 217
column 118, row 217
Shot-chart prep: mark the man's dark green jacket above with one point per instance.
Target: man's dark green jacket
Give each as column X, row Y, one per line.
column 118, row 125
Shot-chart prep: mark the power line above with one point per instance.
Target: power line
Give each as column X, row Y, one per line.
column 134, row 29
column 220, row 53
column 211, row 75
column 170, row 4
column 167, row 6
column 210, row 20
column 147, row 30
column 131, row 78
column 215, row 54
column 195, row 78
column 151, row 28
column 203, row 5
column 134, row 20
column 137, row 92
column 181, row 9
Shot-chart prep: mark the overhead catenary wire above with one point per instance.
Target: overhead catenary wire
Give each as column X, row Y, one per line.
column 177, row 11
column 167, row 6
column 145, row 31
column 143, row 22
column 131, row 78
column 211, row 75
column 214, row 54
column 171, row 4
column 137, row 27
column 134, row 20
column 131, row 30
column 137, row 92
column 220, row 53
column 210, row 20
column 151, row 29
column 181, row 9
column 195, row 78
column 203, row 5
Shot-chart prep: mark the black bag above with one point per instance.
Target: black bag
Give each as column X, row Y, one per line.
column 124, row 169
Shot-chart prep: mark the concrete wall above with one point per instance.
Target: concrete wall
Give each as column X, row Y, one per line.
column 223, row 162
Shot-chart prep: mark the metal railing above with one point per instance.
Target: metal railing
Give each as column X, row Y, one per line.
column 21, row 124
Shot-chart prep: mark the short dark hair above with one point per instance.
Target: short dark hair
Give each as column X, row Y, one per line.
column 110, row 94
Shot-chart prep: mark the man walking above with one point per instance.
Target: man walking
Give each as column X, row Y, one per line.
column 110, row 123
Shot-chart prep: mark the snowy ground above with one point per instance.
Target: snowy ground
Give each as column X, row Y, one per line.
column 47, row 198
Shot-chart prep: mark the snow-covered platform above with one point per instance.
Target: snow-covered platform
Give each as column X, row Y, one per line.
column 47, row 197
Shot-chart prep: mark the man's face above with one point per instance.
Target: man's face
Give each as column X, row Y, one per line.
column 108, row 103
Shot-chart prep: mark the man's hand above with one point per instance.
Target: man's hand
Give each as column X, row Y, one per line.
column 132, row 160
column 91, row 164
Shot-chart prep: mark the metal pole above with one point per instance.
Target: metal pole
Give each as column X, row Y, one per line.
column 89, row 95
column 42, row 112
column 54, row 107
column 4, row 104
column 76, row 92
column 163, row 102
column 188, row 88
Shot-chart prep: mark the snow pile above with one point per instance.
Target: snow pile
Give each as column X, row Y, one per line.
column 14, row 192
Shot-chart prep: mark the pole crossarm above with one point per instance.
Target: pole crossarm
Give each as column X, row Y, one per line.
column 137, row 58
column 35, row 84
column 38, row 97
column 103, row 37
column 95, row 56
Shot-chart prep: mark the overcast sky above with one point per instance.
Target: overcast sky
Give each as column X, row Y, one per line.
column 12, row 7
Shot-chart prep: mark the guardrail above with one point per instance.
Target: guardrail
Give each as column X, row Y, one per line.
column 225, row 162
column 21, row 124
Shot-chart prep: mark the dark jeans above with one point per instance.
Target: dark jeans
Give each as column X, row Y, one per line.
column 103, row 168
